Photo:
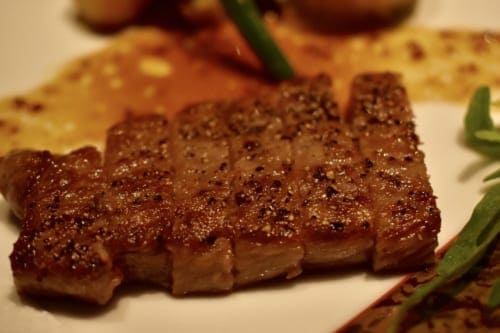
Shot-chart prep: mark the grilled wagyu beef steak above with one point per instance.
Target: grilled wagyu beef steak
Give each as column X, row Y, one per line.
column 226, row 194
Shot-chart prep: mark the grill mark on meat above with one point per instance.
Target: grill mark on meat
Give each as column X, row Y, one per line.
column 138, row 203
column 201, row 239
column 16, row 183
column 58, row 251
column 336, row 222
column 227, row 194
column 407, row 220
column 266, row 243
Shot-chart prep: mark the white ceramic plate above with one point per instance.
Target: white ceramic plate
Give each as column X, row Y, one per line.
column 36, row 37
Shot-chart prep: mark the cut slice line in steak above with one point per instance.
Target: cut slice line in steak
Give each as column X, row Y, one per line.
column 335, row 223
column 138, row 201
column 406, row 218
column 60, row 251
column 227, row 194
column 201, row 237
column 266, row 242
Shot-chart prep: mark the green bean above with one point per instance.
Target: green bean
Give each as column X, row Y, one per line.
column 471, row 244
column 246, row 16
column 483, row 226
column 480, row 132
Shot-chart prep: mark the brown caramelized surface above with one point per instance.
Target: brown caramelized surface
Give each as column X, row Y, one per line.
column 404, row 207
column 57, row 234
column 327, row 165
column 262, row 161
column 231, row 193
column 203, row 177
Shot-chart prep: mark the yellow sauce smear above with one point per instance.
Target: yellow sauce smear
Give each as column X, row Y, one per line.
column 148, row 70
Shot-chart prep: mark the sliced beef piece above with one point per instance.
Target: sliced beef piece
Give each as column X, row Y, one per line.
column 59, row 252
column 138, row 201
column 228, row 194
column 201, row 237
column 266, row 244
column 336, row 219
column 20, row 171
column 407, row 220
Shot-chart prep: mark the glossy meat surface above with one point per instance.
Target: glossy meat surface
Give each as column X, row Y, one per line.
column 59, row 250
column 200, row 241
column 227, row 194
column 137, row 205
column 335, row 218
column 406, row 218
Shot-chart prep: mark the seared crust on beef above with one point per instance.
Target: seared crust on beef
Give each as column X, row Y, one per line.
column 335, row 217
column 406, row 218
column 59, row 251
column 266, row 242
column 137, row 205
column 201, row 237
column 336, row 222
column 19, row 172
column 228, row 194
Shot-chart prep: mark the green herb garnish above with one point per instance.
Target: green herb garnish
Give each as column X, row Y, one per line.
column 480, row 132
column 472, row 242
column 492, row 176
column 483, row 227
column 488, row 135
column 494, row 299
column 246, row 16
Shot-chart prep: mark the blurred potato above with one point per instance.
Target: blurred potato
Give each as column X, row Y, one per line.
column 113, row 13
column 110, row 13
column 202, row 11
column 343, row 14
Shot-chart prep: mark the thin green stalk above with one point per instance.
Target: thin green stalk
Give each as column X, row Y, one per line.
column 246, row 16
column 483, row 227
column 480, row 231
column 480, row 132
column 494, row 299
